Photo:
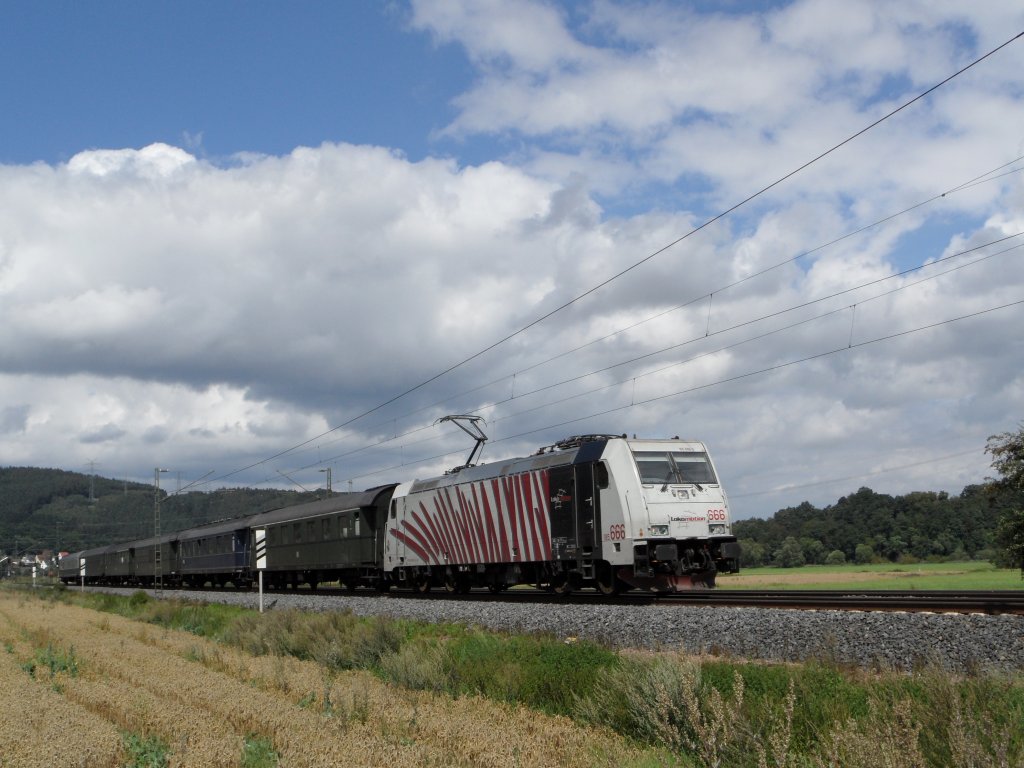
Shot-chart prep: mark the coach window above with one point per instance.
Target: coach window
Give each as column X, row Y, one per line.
column 297, row 532
column 327, row 528
column 310, row 530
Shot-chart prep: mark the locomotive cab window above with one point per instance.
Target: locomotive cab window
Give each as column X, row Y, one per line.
column 601, row 475
column 676, row 467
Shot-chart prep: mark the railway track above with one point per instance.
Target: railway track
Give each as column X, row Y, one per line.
column 984, row 602
column 989, row 602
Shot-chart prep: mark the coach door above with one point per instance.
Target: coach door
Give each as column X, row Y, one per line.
column 586, row 507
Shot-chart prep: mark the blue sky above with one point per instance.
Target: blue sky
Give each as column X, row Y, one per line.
column 228, row 228
column 232, row 76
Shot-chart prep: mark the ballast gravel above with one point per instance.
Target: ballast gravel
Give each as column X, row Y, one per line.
column 887, row 640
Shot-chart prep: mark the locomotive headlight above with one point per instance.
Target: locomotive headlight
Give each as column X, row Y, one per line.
column 719, row 528
column 659, row 530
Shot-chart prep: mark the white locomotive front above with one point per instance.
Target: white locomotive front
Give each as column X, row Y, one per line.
column 597, row 510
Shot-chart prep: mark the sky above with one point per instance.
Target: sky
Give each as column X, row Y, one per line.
column 252, row 242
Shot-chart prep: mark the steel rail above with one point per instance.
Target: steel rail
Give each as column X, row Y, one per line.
column 938, row 601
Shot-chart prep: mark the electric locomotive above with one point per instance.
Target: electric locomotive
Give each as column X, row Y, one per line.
column 594, row 510
column 599, row 511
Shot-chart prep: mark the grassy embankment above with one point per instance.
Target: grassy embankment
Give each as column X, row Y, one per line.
column 215, row 685
column 949, row 576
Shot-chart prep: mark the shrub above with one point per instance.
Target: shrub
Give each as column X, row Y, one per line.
column 540, row 672
column 864, row 554
column 835, row 557
column 663, row 701
column 419, row 666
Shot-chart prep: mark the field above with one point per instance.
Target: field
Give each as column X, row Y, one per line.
column 111, row 680
column 101, row 690
column 937, row 576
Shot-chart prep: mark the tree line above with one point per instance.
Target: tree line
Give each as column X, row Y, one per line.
column 51, row 509
column 984, row 522
column 868, row 527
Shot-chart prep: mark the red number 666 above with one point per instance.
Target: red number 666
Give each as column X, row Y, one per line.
column 716, row 514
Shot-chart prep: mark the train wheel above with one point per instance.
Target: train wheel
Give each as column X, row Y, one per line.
column 606, row 580
column 562, row 585
column 422, row 585
column 456, row 584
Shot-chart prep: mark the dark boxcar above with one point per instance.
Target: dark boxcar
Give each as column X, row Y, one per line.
column 69, row 568
column 215, row 553
column 340, row 538
column 95, row 565
column 117, row 564
column 149, row 561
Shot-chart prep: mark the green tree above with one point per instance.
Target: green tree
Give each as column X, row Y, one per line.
column 752, row 554
column 1007, row 451
column 790, row 554
column 835, row 557
column 814, row 551
column 864, row 554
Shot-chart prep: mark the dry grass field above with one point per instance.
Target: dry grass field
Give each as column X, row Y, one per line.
column 87, row 684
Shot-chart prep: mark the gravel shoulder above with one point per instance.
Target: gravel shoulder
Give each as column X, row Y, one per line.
column 904, row 641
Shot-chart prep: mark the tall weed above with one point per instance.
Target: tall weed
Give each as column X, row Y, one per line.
column 544, row 673
column 661, row 700
column 419, row 666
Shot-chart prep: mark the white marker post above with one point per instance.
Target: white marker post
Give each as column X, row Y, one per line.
column 81, row 571
column 261, row 557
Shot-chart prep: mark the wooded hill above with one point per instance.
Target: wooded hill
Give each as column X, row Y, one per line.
column 51, row 509
column 867, row 526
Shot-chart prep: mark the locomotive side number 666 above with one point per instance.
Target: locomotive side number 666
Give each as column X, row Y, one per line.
column 716, row 515
column 617, row 533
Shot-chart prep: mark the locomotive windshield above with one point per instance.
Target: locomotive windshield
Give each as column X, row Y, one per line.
column 660, row 467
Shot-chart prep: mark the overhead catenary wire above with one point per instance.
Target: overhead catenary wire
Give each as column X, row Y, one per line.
column 636, row 264
column 695, row 339
column 990, row 175
column 719, row 382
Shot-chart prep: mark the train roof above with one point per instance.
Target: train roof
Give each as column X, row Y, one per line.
column 567, row 451
column 339, row 502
